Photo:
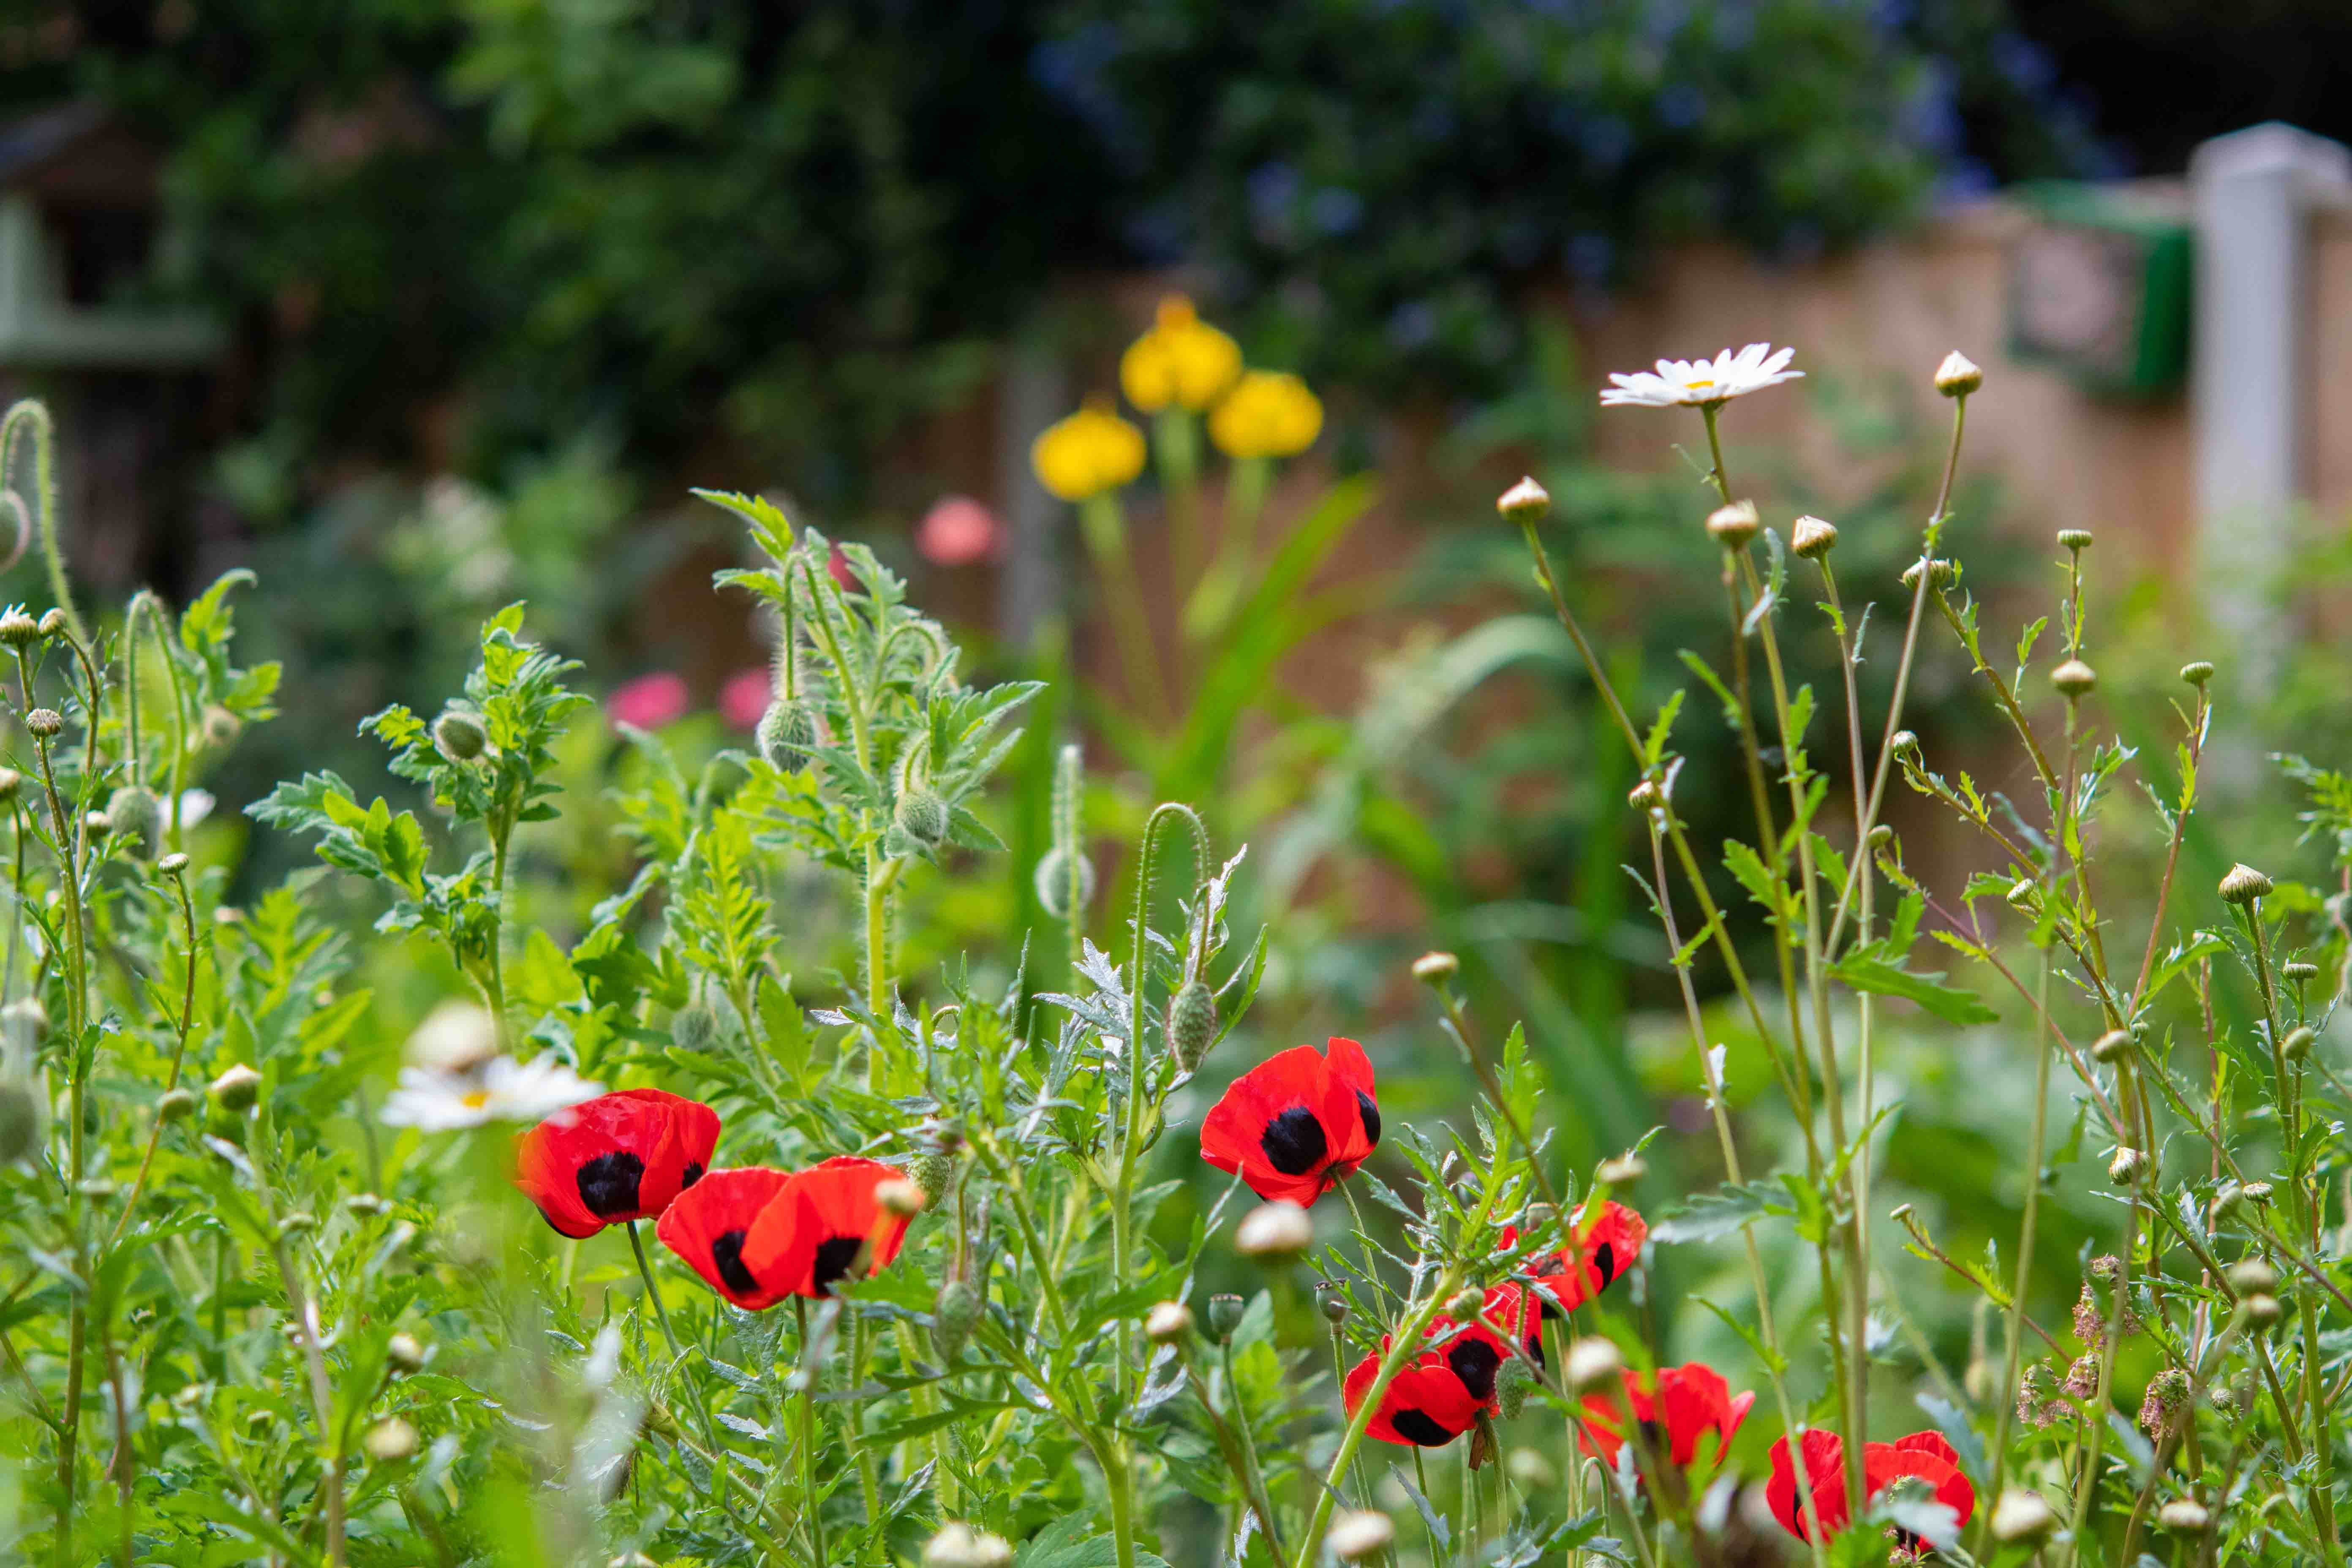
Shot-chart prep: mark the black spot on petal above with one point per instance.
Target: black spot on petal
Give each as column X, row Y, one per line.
column 833, row 1257
column 1416, row 1428
column 727, row 1256
column 693, row 1174
column 1606, row 1261
column 1473, row 1361
column 1294, row 1142
column 1371, row 1111
column 608, row 1184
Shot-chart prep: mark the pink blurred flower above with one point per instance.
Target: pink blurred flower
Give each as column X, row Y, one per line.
column 744, row 696
column 838, row 564
column 649, row 701
column 957, row 532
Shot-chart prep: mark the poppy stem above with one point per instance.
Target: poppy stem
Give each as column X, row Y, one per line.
column 809, row 1505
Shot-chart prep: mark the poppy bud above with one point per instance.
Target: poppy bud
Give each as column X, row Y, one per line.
column 1958, row 375
column 695, row 1026
column 2243, row 884
column 2252, row 1275
column 953, row 1316
column 53, row 622
column 1275, row 1232
column 177, row 1105
column 1526, row 501
column 2126, row 1168
column 1734, row 525
column 786, row 732
column 1192, row 1024
column 460, row 736
column 390, row 1441
column 2196, row 671
column 2074, row 538
column 1333, row 1300
column 935, row 1174
column 1941, row 574
column 45, row 723
column 2298, row 1042
column 1225, row 1313
column 1622, row 1172
column 1169, row 1323
column 220, row 727
column 1594, row 1364
column 1435, row 968
column 2111, row 1046
column 1512, row 1380
column 2184, row 1516
column 404, row 1354
column 902, row 1198
column 1054, row 882
column 962, row 1546
column 236, row 1088
column 923, row 817
column 19, row 629
column 1358, row 1534
column 2226, row 1200
column 1812, row 537
column 2021, row 1516
column 2075, row 679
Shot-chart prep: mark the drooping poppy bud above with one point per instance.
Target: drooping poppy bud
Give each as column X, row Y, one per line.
column 618, row 1157
column 953, row 1317
column 1295, row 1124
column 1192, row 1024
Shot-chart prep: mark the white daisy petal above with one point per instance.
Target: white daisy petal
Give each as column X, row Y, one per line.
column 1705, row 383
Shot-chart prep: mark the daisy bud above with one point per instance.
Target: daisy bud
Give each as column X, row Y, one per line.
column 172, row 865
column 460, row 736
column 962, row 1546
column 2243, row 884
column 19, row 629
column 2126, row 1168
column 1594, row 1364
column 45, row 723
column 2023, row 894
column 1531, row 1471
column 1225, row 1314
column 1958, row 375
column 177, row 1105
column 1646, row 796
column 2253, row 1277
column 2166, row 1399
column 1526, row 501
column 11, row 783
column 2259, row 1312
column 923, row 817
column 404, row 1353
column 1622, row 1172
column 390, row 1441
column 1169, row 1323
column 1733, row 525
column 53, row 622
column 935, row 1174
column 2021, row 1516
column 367, row 1205
column 2299, row 971
column 2298, row 1042
column 1812, row 537
column 236, row 1088
column 899, row 1197
column 953, row 1316
column 1941, row 575
column 1435, row 968
column 2076, row 539
column 301, row 1222
column 2196, row 671
column 1358, row 1535
column 97, row 824
column 1053, row 883
column 2075, row 679
column 1512, row 1381
column 2258, row 1194
column 1881, row 836
column 2111, row 1046
column 1192, row 1024
column 2184, row 1516
column 1333, row 1302
column 2226, row 1200
column 1275, row 1232
column 1903, row 743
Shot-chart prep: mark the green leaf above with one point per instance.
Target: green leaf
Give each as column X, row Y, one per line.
column 1710, row 1216
column 1863, row 971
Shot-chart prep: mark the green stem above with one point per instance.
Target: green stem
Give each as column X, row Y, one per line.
column 815, row 1515
column 1103, row 525
column 2004, row 1407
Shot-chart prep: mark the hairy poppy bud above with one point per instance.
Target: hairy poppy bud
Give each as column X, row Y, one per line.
column 1191, row 1022
column 460, row 736
column 695, row 1026
column 19, row 629
column 1275, row 1232
column 1054, row 873
column 953, row 1316
column 1526, row 501
column 2252, row 1275
column 2243, row 884
column 935, row 1174
column 1622, row 1172
column 2021, row 1516
column 1958, row 375
column 2074, row 538
column 1734, row 525
column 1358, row 1535
column 899, row 1197
column 2196, row 671
column 404, row 1353
column 1940, row 573
column 220, row 727
column 2298, row 1042
column 2111, row 1046
column 923, row 817
column 177, row 1105
column 1435, row 968
column 2184, row 1516
column 2075, row 679
column 1512, row 1381
column 1594, row 1364
column 390, row 1441
column 1812, row 537
column 45, row 723
column 53, row 622
column 1169, row 1323
column 962, row 1546
column 2127, row 1167
column 1225, row 1314
column 236, row 1088
column 133, row 814
column 787, row 730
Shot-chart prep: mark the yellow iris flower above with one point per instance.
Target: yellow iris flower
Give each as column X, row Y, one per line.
column 1092, row 451
column 1181, row 360
column 1268, row 413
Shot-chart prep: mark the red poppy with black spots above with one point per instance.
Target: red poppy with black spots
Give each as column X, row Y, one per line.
column 823, row 1226
column 616, row 1158
column 707, row 1227
column 1446, row 1388
column 1675, row 1407
column 1297, row 1123
column 1926, row 1455
column 1601, row 1252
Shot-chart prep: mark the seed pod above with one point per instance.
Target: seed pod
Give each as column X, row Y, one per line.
column 460, row 736
column 1192, row 1024
column 1053, row 883
column 1333, row 1301
column 1958, row 375
column 953, row 1316
column 1225, row 1313
column 923, row 817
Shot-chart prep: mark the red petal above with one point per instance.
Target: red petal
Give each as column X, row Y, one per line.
column 724, row 1204
column 1425, row 1394
column 822, row 1211
column 654, row 1128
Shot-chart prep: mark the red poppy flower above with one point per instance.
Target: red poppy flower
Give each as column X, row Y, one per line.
column 822, row 1222
column 618, row 1157
column 1604, row 1250
column 1426, row 1405
column 1676, row 1407
column 707, row 1226
column 1923, row 1454
column 1296, row 1123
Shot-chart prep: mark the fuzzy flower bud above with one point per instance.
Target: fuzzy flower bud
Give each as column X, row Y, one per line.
column 12, row 783
column 1169, row 1323
column 935, row 1174
column 899, row 1197
column 45, row 723
column 2298, row 1042
column 1225, row 1314
column 1958, row 375
column 2164, row 1404
column 1621, row 1171
column 1526, row 501
column 2075, row 679
column 953, row 1316
column 1332, row 1301
column 1466, row 1303
column 1358, row 1535
column 2112, row 1046
column 2243, row 884
column 53, row 622
column 2021, row 1516
column 2259, row 1312
column 695, row 1026
column 1053, row 883
column 460, row 736
column 962, row 1546
column 2258, row 1194
column 2184, row 1516
column 2252, row 1275
column 1903, row 743
column 2196, row 671
column 236, row 1088
column 404, row 1353
column 2226, row 1200
column 2074, row 538
column 1435, row 968
column 1734, row 525
column 2126, row 1168
column 176, row 1105
column 1191, row 1022
column 1275, row 1232
column 2299, row 971
column 1512, row 1381
column 172, row 865
column 923, row 817
column 25, row 1024
column 787, row 730
column 390, row 1441
column 1646, row 796
column 20, row 1117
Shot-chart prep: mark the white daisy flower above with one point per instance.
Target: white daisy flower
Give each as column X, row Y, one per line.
column 1702, row 383
column 505, row 1090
